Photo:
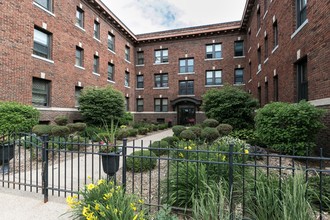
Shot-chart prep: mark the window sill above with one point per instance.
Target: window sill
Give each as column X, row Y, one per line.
column 96, row 74
column 239, row 57
column 112, row 51
column 299, row 28
column 266, row 60
column 275, row 48
column 186, row 95
column 239, row 84
column 138, row 65
column 110, row 81
column 161, row 87
column 80, row 28
column 44, row 9
column 258, row 32
column 42, row 58
column 213, row 59
column 98, row 40
column 139, row 88
column 265, row 14
column 80, row 67
column 208, row 86
column 128, row 87
column 127, row 61
column 160, row 63
column 187, row 73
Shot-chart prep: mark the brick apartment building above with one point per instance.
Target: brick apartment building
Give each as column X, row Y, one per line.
column 51, row 49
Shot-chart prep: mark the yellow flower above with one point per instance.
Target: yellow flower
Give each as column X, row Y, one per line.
column 107, row 196
column 101, row 181
column 97, row 207
column 86, row 210
column 223, row 158
column 141, row 201
column 246, row 151
column 102, row 214
column 115, row 211
column 89, row 177
column 91, row 216
column 123, row 126
column 188, row 148
column 72, row 201
column 181, row 155
column 107, row 207
column 136, row 216
column 90, row 186
column 133, row 207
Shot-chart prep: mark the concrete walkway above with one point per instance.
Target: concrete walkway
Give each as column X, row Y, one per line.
column 20, row 205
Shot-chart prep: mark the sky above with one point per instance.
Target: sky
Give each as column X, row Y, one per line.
column 145, row 16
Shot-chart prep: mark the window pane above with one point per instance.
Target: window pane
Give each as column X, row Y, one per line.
column 164, row 101
column 40, row 37
column 190, row 62
column 209, row 48
column 165, row 53
column 182, row 62
column 217, row 47
column 217, row 74
column 209, row 74
column 43, row 3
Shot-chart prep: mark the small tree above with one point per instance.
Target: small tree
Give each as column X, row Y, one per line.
column 102, row 106
column 230, row 105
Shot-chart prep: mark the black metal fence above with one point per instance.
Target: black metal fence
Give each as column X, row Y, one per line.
column 60, row 167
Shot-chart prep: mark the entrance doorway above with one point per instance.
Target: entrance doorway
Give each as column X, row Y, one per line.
column 187, row 115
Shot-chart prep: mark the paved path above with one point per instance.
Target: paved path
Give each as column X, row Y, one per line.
column 21, row 205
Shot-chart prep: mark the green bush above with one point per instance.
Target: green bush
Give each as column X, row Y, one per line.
column 210, row 134
column 289, row 128
column 162, row 126
column 161, row 147
column 171, row 140
column 132, row 132
column 197, row 131
column 177, row 129
column 61, row 120
column 104, row 136
column 122, row 133
column 142, row 130
column 42, row 129
column 60, row 131
column 147, row 161
column 248, row 135
column 153, row 127
column 212, row 123
column 230, row 105
column 76, row 127
column 77, row 143
column 224, row 129
column 17, row 117
column 126, row 119
column 187, row 135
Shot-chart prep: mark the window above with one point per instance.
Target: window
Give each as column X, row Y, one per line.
column 127, row 104
column 161, row 105
column 77, row 95
column 161, row 56
column 186, row 65
column 96, row 64
column 239, row 73
column 139, row 105
column 111, row 72
column 79, row 56
column 111, row 42
column 275, row 86
column 266, row 47
column 302, row 80
column 213, row 51
column 126, row 79
column 40, row 92
column 161, row 80
column 139, row 81
column 259, row 95
column 213, row 77
column 301, row 12
column 258, row 19
column 127, row 53
column 238, row 48
column 97, row 30
column 47, row 4
column 186, row 87
column 80, row 17
column 275, row 34
column 265, row 5
column 250, row 70
column 266, row 93
column 259, row 58
column 140, row 57
column 41, row 43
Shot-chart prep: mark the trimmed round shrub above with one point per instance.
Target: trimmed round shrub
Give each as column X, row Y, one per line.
column 171, row 140
column 60, row 131
column 197, row 131
column 123, row 133
column 139, row 164
column 142, row 130
column 160, row 146
column 42, row 129
column 17, row 117
column 248, row 135
column 61, row 120
column 212, row 123
column 177, row 129
column 187, row 135
column 77, row 142
column 210, row 134
column 162, row 126
column 76, row 127
column 224, row 129
column 132, row 132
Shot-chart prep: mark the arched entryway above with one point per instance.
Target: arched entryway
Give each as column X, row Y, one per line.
column 186, row 108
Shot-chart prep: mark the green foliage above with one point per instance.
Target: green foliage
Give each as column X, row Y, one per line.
column 76, row 127
column 248, row 135
column 123, row 133
column 224, row 129
column 42, row 129
column 17, row 117
column 212, row 123
column 126, row 119
column 289, row 127
column 101, row 105
column 160, row 147
column 177, row 129
column 60, row 131
column 188, row 135
column 142, row 130
column 141, row 160
column 77, row 143
column 165, row 214
column 162, row 126
column 91, row 132
column 210, row 134
column 61, row 120
column 105, row 200
column 230, row 105
column 132, row 132
column 314, row 189
column 171, row 140
column 197, row 131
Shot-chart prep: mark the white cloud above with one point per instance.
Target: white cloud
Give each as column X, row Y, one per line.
column 143, row 16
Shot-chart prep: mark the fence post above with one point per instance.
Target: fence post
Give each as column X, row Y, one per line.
column 231, row 173
column 45, row 139
column 124, row 163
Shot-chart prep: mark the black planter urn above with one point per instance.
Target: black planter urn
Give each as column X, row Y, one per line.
column 110, row 163
column 6, row 153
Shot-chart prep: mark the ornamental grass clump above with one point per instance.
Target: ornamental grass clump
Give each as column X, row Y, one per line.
column 105, row 200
